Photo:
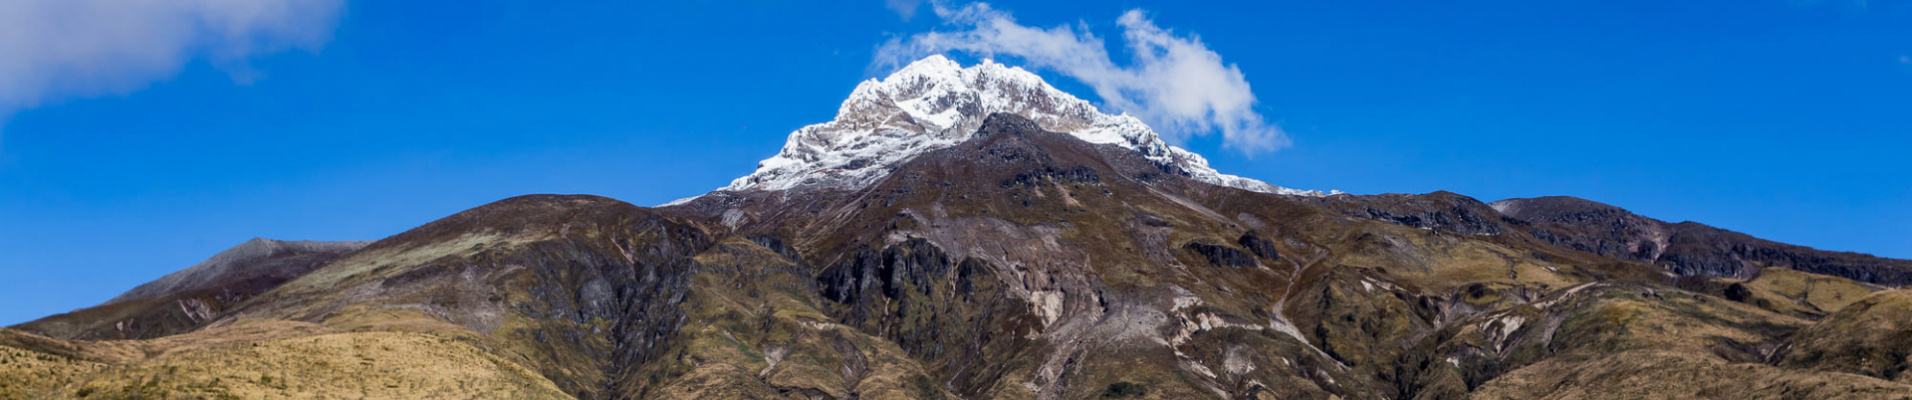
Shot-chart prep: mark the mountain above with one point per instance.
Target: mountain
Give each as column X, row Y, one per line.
column 935, row 103
column 1002, row 246
column 257, row 263
column 1686, row 248
column 1681, row 249
column 184, row 300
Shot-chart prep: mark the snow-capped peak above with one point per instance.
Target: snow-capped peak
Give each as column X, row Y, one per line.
column 935, row 102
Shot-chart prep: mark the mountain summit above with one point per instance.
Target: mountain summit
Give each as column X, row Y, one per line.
column 934, row 103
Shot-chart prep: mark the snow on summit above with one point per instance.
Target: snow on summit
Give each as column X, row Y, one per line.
column 935, row 102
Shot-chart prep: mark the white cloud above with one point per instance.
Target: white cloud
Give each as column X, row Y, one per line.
column 51, row 50
column 1173, row 82
column 904, row 8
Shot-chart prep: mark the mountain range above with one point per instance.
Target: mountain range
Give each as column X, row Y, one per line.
column 975, row 233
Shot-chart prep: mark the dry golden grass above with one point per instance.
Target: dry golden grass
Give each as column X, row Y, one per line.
column 1871, row 337
column 719, row 381
column 341, row 365
column 1440, row 262
column 1792, row 292
column 1671, row 320
column 1662, row 374
column 757, row 340
column 270, row 360
column 1654, row 344
column 339, row 273
column 28, row 374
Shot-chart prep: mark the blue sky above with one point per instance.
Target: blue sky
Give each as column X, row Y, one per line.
column 1788, row 120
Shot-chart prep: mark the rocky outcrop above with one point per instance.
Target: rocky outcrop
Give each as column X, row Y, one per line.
column 1222, row 256
column 1262, row 247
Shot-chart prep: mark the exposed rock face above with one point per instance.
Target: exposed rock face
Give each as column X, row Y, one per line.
column 1262, row 247
column 1222, row 256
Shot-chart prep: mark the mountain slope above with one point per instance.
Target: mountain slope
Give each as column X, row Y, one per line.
column 1682, row 249
column 1020, row 263
column 1014, row 257
column 258, row 262
column 187, row 299
column 1687, row 248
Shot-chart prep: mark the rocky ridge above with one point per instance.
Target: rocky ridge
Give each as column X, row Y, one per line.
column 259, row 258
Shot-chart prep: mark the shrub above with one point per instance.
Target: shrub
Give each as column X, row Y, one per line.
column 1120, row 390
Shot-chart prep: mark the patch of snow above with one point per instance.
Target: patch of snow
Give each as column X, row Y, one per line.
column 934, row 103
column 680, row 201
column 1503, row 206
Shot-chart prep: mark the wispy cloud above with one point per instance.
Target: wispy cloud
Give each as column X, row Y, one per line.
column 904, row 8
column 52, row 50
column 1173, row 81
